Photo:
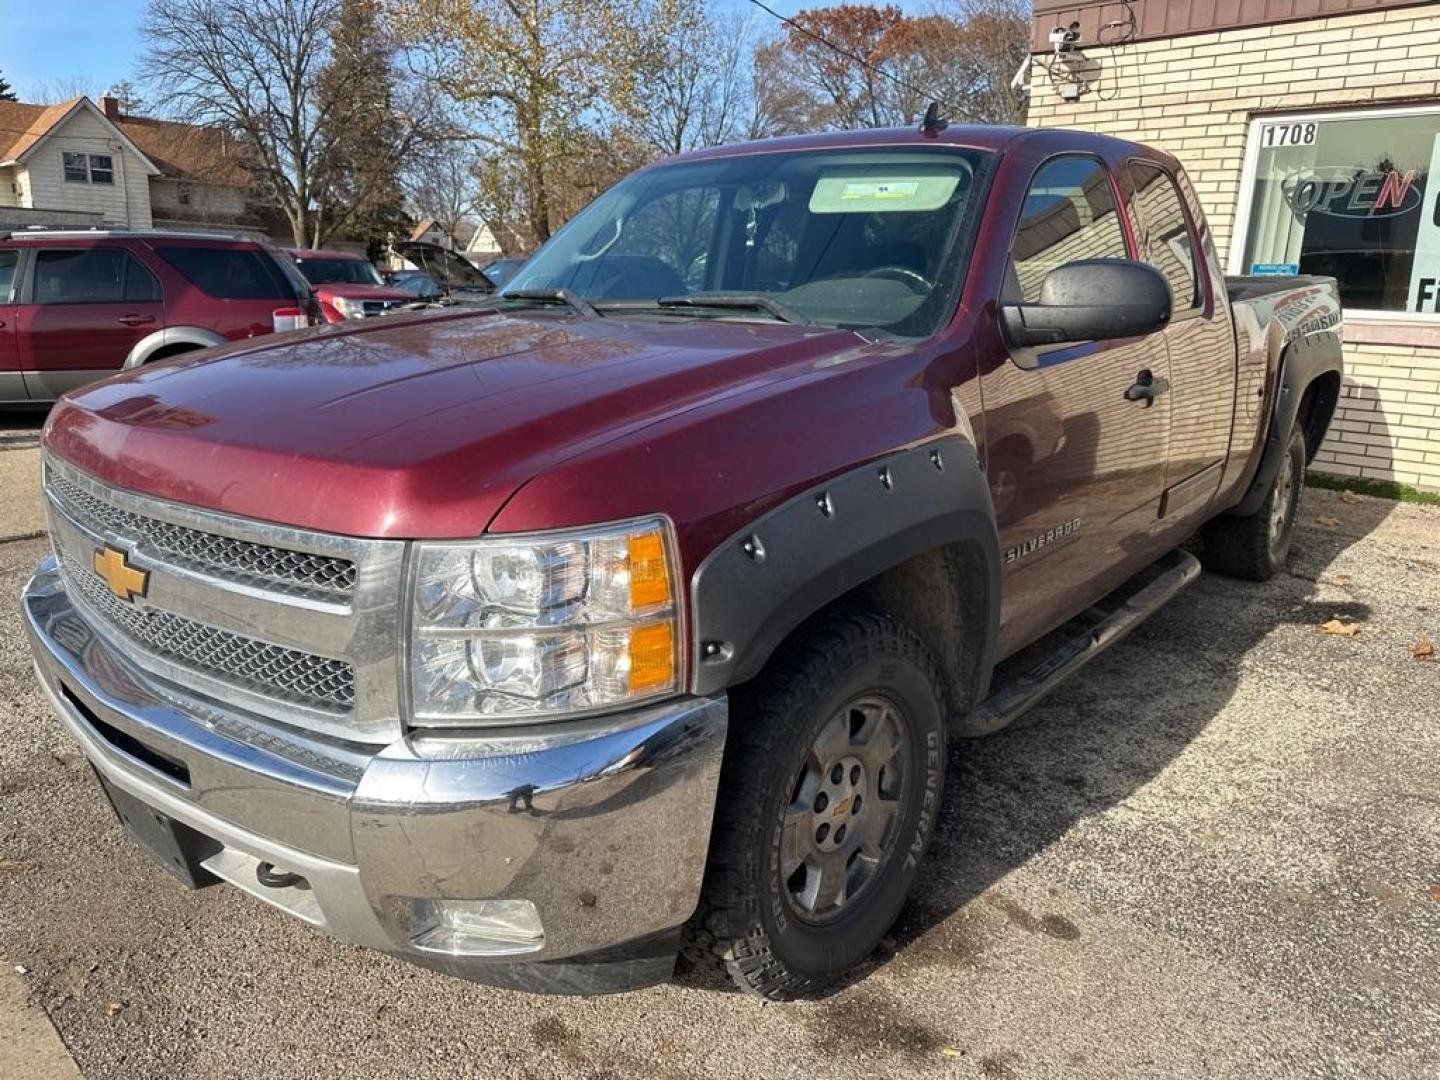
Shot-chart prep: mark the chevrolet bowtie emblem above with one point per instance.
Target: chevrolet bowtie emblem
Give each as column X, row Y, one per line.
column 123, row 580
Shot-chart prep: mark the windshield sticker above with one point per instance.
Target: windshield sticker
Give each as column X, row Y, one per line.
column 852, row 195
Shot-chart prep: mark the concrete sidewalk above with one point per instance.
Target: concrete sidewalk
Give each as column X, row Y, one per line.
column 30, row 1049
column 22, row 510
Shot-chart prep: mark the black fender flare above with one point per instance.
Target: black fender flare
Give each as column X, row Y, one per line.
column 758, row 585
column 1302, row 361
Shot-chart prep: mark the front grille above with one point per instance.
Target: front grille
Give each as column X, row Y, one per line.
column 324, row 576
column 270, row 670
column 379, row 307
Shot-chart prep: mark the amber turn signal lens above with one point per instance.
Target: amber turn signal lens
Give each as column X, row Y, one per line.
column 649, row 572
column 652, row 657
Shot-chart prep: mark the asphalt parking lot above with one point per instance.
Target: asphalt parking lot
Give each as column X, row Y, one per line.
column 1214, row 853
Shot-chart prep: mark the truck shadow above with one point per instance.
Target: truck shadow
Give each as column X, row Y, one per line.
column 1098, row 739
column 1109, row 731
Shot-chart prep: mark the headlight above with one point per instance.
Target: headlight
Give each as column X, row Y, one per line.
column 350, row 308
column 517, row 627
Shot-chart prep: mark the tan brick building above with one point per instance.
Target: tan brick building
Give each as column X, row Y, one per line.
column 1311, row 131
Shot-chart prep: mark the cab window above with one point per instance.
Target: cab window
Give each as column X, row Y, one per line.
column 1069, row 213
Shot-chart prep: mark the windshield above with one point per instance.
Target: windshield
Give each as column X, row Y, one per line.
column 869, row 240
column 339, row 272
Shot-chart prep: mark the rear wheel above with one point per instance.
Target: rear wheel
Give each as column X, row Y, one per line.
column 827, row 801
column 1256, row 547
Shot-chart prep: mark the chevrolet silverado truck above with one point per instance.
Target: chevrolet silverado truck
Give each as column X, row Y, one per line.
column 629, row 615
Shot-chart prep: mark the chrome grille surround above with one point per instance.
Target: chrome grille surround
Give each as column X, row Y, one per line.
column 267, row 567
column 288, row 646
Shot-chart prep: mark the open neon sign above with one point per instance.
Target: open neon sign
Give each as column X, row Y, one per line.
column 1349, row 192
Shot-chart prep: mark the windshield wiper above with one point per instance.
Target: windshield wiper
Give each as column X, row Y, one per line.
column 741, row 302
column 553, row 296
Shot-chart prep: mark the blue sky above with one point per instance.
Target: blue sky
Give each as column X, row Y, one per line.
column 45, row 42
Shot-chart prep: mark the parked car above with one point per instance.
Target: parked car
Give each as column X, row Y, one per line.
column 529, row 641
column 502, row 270
column 459, row 279
column 76, row 306
column 416, row 284
column 348, row 286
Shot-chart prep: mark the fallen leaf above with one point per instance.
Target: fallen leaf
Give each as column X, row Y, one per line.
column 113, row 1009
column 1340, row 579
column 1328, row 522
column 1340, row 629
column 952, row 1051
column 1424, row 649
column 1349, row 497
column 15, row 866
column 21, row 969
column 1435, row 893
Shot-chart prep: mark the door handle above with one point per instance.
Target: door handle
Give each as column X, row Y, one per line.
column 1146, row 388
column 135, row 320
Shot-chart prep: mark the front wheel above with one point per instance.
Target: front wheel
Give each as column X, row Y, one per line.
column 827, row 801
column 1256, row 547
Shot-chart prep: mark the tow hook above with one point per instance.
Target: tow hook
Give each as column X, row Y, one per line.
column 266, row 874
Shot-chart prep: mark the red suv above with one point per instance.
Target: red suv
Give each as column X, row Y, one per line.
column 77, row 306
column 347, row 286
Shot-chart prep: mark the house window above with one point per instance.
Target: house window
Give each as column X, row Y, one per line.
column 77, row 168
column 88, row 168
column 1347, row 195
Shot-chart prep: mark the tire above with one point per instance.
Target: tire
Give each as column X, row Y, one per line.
column 803, row 776
column 1255, row 548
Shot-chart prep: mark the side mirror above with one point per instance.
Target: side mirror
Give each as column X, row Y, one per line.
column 1091, row 300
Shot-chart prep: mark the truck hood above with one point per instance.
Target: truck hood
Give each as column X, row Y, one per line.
column 414, row 425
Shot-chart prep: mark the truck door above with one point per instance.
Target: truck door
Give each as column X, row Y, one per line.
column 1199, row 341
column 12, row 383
column 1076, row 468
column 86, row 308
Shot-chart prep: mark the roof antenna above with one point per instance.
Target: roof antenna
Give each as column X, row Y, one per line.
column 933, row 123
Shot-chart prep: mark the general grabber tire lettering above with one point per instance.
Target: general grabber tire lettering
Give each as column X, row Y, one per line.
column 1255, row 547
column 833, row 774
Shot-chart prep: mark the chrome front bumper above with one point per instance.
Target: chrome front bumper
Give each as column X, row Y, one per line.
column 603, row 825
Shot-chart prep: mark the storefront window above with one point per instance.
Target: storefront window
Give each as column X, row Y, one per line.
column 1348, row 195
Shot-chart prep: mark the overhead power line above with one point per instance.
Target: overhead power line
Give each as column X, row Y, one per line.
column 799, row 28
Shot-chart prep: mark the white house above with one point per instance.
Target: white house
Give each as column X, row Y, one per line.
column 70, row 164
column 79, row 163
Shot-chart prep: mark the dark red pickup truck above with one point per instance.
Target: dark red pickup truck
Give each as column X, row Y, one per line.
column 532, row 641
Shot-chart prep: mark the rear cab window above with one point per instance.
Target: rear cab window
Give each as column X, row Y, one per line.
column 1164, row 234
column 229, row 273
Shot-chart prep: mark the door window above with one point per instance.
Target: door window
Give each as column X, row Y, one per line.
column 1069, row 213
column 92, row 276
column 9, row 258
column 1166, row 234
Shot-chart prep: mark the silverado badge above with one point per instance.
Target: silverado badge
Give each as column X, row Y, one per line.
column 124, row 580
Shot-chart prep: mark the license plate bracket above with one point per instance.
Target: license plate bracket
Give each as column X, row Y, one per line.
column 174, row 845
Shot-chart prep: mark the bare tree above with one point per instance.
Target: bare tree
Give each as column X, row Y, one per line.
column 537, row 78
column 256, row 67
column 445, row 185
column 698, row 91
column 63, row 88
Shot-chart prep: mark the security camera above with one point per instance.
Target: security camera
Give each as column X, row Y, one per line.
column 1064, row 38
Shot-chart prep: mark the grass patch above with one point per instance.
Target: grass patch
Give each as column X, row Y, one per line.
column 1380, row 489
